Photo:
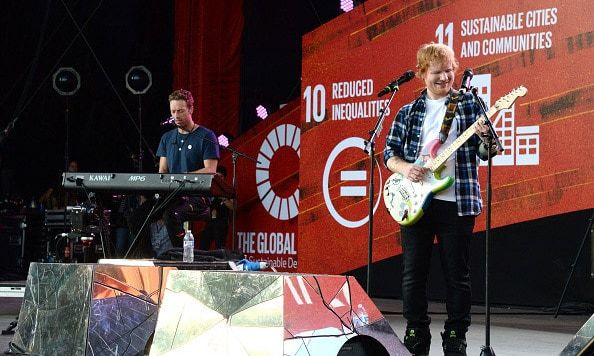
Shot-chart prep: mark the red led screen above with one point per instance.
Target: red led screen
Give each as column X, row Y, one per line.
column 547, row 166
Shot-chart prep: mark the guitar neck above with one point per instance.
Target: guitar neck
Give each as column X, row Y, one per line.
column 435, row 163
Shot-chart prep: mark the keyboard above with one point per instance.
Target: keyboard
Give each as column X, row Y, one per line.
column 202, row 184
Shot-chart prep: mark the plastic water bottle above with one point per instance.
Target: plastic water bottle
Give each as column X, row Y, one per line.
column 362, row 315
column 188, row 246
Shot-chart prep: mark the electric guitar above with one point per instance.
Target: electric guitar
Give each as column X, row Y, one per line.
column 406, row 200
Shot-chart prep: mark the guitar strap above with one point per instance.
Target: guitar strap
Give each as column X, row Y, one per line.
column 446, row 125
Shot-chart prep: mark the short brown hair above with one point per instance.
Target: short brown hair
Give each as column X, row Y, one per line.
column 182, row 94
column 434, row 52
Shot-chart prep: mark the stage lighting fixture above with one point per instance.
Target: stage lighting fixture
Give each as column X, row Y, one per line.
column 223, row 140
column 66, row 81
column 261, row 112
column 139, row 80
column 346, row 5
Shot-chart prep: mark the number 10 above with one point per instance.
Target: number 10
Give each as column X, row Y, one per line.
column 315, row 103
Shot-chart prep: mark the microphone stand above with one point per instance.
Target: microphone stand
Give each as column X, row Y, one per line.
column 370, row 149
column 140, row 152
column 234, row 155
column 575, row 261
column 66, row 138
column 66, row 161
column 487, row 350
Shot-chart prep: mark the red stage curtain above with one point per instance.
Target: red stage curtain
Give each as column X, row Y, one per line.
column 206, row 59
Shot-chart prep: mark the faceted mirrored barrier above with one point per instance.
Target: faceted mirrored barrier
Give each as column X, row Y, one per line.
column 55, row 311
column 242, row 313
column 582, row 342
column 124, row 309
column 77, row 309
column 91, row 309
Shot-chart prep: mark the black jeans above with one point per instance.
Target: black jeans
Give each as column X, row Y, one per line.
column 453, row 241
column 174, row 214
column 184, row 209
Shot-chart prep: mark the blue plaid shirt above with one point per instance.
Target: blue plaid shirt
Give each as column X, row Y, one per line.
column 404, row 138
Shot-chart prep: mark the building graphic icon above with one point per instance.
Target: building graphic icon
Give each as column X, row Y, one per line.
column 521, row 144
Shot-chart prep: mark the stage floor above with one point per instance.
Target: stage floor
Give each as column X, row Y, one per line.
column 514, row 331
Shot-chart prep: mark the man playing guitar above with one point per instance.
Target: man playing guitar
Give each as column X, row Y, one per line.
column 450, row 215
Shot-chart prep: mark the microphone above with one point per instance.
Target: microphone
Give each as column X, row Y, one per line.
column 466, row 78
column 393, row 86
column 169, row 121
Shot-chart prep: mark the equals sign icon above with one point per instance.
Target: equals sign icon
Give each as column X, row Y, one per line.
column 353, row 191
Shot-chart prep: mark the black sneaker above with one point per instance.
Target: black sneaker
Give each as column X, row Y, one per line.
column 417, row 341
column 454, row 344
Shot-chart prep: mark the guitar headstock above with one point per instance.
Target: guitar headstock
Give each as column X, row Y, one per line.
column 505, row 102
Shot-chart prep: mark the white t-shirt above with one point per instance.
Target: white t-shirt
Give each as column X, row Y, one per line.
column 435, row 112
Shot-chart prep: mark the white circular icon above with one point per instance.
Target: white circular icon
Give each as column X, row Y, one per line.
column 280, row 208
column 349, row 142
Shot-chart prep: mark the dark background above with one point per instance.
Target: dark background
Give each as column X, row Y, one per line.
column 38, row 38
column 529, row 265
